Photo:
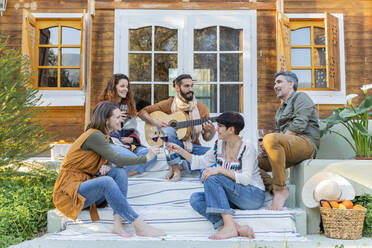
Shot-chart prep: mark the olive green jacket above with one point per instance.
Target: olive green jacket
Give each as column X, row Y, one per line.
column 298, row 114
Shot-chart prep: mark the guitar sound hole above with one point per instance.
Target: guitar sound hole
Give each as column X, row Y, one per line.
column 173, row 124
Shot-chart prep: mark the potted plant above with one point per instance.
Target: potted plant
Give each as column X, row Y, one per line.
column 355, row 120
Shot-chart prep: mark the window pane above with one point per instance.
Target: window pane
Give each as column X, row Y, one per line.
column 70, row 77
column 319, row 36
column 161, row 92
column 207, row 94
column 304, row 78
column 231, row 67
column 165, row 64
column 165, row 39
column 140, row 39
column 231, row 39
column 301, row 56
column 71, row 36
column 300, row 37
column 320, row 56
column 205, row 67
column 140, row 67
column 49, row 36
column 320, row 78
column 70, row 56
column 230, row 98
column 48, row 56
column 142, row 95
column 205, row 39
column 48, row 78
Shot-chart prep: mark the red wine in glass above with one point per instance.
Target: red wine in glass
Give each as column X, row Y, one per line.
column 164, row 138
column 155, row 138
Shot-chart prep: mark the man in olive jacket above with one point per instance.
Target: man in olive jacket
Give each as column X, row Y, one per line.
column 296, row 136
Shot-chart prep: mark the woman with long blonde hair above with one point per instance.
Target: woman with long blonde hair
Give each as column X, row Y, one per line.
column 126, row 142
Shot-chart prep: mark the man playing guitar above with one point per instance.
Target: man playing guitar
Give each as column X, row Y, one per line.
column 184, row 101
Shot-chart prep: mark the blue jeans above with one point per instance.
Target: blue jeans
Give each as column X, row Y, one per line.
column 113, row 188
column 139, row 151
column 220, row 194
column 175, row 158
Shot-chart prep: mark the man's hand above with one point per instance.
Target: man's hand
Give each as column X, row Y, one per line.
column 289, row 132
column 159, row 124
column 104, row 169
column 127, row 140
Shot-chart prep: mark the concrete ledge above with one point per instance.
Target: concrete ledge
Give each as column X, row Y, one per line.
column 358, row 172
column 319, row 241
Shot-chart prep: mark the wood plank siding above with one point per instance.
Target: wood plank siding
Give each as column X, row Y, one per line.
column 65, row 122
column 357, row 33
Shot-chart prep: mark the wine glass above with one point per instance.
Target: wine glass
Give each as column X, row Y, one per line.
column 124, row 111
column 154, row 134
column 260, row 134
column 164, row 138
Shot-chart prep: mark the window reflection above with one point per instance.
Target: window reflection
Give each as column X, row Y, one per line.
column 164, row 63
column 300, row 37
column 231, row 39
column 230, row 97
column 205, row 39
column 301, row 56
column 142, row 95
column 207, row 64
column 48, row 36
column 207, row 94
column 165, row 39
column 70, row 78
column 70, row 56
column 231, row 67
column 48, row 56
column 304, row 78
column 140, row 67
column 71, row 36
column 319, row 36
column 47, row 78
column 320, row 78
column 140, row 39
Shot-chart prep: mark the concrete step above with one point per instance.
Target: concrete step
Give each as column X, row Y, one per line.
column 114, row 241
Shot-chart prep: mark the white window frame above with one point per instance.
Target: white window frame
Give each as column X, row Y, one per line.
column 185, row 64
column 61, row 97
column 329, row 97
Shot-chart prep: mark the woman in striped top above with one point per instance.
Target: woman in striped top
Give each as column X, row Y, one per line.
column 231, row 178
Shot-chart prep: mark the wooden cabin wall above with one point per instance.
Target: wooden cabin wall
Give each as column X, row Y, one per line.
column 65, row 123
column 357, row 42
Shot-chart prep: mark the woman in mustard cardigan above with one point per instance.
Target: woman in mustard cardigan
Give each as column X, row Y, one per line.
column 77, row 186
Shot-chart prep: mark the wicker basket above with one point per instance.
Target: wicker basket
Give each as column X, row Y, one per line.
column 343, row 223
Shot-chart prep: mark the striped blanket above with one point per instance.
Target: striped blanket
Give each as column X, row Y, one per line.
column 166, row 206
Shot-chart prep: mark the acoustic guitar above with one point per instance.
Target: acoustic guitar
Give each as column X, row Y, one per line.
column 179, row 120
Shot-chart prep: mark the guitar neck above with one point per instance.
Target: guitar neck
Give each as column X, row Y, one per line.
column 183, row 124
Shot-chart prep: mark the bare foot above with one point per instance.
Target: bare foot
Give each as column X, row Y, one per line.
column 169, row 174
column 225, row 233
column 132, row 173
column 245, row 231
column 176, row 175
column 280, row 196
column 145, row 230
column 119, row 230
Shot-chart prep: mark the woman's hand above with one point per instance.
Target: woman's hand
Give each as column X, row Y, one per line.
column 173, row 147
column 127, row 140
column 153, row 150
column 124, row 115
column 104, row 170
column 207, row 172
